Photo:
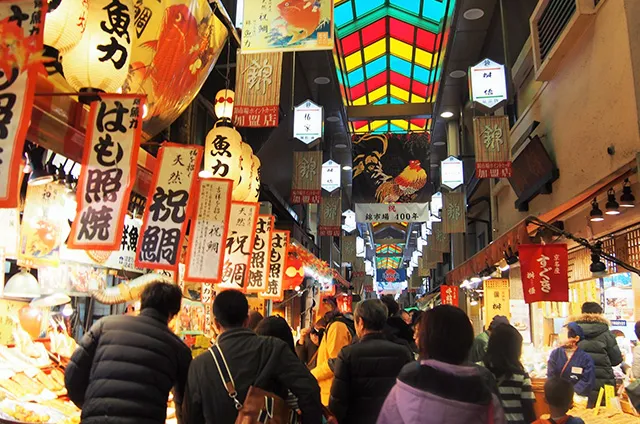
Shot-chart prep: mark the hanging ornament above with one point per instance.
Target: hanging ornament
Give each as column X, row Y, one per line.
column 254, row 192
column 65, row 23
column 222, row 153
column 246, row 174
column 223, row 106
column 100, row 60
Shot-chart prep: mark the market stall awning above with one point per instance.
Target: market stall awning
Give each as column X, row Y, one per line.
column 389, row 55
column 490, row 255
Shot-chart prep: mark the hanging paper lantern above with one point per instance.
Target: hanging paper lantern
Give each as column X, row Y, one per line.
column 223, row 106
column 65, row 23
column 222, row 153
column 294, row 272
column 100, row 61
column 246, row 176
column 254, row 191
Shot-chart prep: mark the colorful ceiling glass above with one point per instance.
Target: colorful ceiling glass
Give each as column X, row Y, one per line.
column 389, row 249
column 388, row 262
column 390, row 52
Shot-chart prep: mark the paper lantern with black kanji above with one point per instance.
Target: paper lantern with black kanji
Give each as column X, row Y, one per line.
column 223, row 106
column 254, row 192
column 222, row 153
column 65, row 23
column 246, row 168
column 100, row 60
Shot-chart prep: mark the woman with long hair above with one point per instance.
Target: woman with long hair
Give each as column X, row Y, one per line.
column 514, row 385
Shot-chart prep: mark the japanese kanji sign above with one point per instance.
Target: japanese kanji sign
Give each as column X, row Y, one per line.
column 207, row 297
column 330, row 216
column 449, row 295
column 496, row 299
column 454, row 213
column 297, row 25
column 392, row 212
column 423, row 266
column 125, row 256
column 330, row 176
column 440, row 241
column 260, row 257
column 306, row 181
column 10, row 219
column 168, row 206
column 23, row 22
column 488, row 83
column 308, row 119
column 452, row 172
column 348, row 249
column 493, row 157
column 108, row 172
column 278, row 256
column 241, row 232
column 257, row 102
column 208, row 234
column 545, row 272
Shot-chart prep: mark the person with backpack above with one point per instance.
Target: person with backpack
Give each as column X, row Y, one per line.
column 221, row 381
column 339, row 333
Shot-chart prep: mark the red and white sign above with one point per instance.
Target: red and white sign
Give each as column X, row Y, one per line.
column 260, row 258
column 545, row 272
column 449, row 295
column 279, row 245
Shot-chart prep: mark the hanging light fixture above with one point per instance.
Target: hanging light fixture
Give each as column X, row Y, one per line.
column 222, row 153
column 246, row 169
column 595, row 214
column 40, row 173
column 223, row 106
column 99, row 62
column 612, row 206
column 627, row 200
column 22, row 285
column 597, row 267
column 65, row 23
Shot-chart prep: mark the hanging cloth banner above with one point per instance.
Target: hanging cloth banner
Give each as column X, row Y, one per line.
column 108, row 172
column 307, row 177
column 208, row 231
column 449, row 295
column 493, row 158
column 206, row 297
column 257, row 97
column 423, row 265
column 239, row 246
column 349, row 249
column 545, row 272
column 496, row 299
column 24, row 22
column 287, row 26
column 260, row 258
column 430, row 256
column 392, row 212
column 358, row 275
column 278, row 255
column 454, row 213
column 330, row 217
column 440, row 241
column 168, row 206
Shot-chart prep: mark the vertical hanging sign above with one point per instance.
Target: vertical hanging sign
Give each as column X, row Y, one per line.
column 349, row 249
column 108, row 172
column 440, row 241
column 307, row 122
column 496, row 299
column 330, row 176
column 307, row 175
column 330, row 216
column 239, row 245
column 257, row 100
column 545, row 272
column 168, row 206
column 488, row 83
column 491, row 135
column 260, row 258
column 449, row 295
column 454, row 213
column 208, row 234
column 23, row 22
column 279, row 245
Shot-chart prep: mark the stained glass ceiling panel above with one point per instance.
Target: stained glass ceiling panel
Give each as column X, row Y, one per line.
column 390, row 52
column 389, row 249
column 388, row 262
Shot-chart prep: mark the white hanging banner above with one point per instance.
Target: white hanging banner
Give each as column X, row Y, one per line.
column 307, row 122
column 488, row 83
column 452, row 172
column 330, row 176
column 392, row 212
column 240, row 242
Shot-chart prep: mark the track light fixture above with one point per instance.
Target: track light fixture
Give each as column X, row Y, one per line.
column 627, row 200
column 612, row 206
column 511, row 256
column 597, row 267
column 595, row 214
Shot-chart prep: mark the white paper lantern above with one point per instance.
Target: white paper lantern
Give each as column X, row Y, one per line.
column 223, row 106
column 254, row 192
column 65, row 23
column 246, row 174
column 222, row 153
column 100, row 61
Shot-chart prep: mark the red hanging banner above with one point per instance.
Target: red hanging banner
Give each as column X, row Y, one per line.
column 108, row 172
column 168, row 206
column 279, row 245
column 545, row 272
column 449, row 295
column 260, row 257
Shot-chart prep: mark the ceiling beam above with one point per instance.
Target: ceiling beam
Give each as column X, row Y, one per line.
column 376, row 112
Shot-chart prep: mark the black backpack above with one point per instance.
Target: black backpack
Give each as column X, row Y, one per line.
column 346, row 321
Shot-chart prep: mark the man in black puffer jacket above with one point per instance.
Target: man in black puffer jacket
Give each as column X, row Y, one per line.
column 366, row 371
column 125, row 366
column 600, row 344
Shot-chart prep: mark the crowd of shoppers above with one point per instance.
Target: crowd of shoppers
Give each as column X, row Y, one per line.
column 342, row 371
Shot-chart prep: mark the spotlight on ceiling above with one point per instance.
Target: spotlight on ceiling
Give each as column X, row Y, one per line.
column 322, row 80
column 40, row 174
column 439, row 143
column 597, row 267
column 612, row 206
column 333, row 119
column 510, row 258
column 475, row 279
column 341, row 146
column 627, row 200
column 346, row 168
column 447, row 114
column 434, row 165
column 473, row 14
column 458, row 73
column 595, row 214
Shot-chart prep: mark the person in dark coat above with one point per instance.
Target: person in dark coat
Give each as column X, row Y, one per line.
column 366, row 371
column 600, row 344
column 125, row 366
column 396, row 328
column 264, row 362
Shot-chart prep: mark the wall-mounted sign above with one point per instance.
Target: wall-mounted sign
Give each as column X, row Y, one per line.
column 452, row 172
column 330, row 175
column 496, row 299
column 307, row 122
column 392, row 212
column 488, row 83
